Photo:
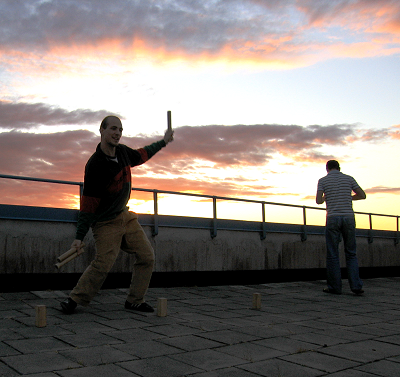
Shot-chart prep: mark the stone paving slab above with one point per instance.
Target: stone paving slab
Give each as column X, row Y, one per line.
column 98, row 371
column 319, row 361
column 35, row 345
column 159, row 366
column 208, row 332
column 383, row 368
column 38, row 362
column 97, row 355
column 279, row 368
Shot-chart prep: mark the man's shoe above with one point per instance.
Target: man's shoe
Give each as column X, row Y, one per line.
column 327, row 290
column 68, row 306
column 358, row 292
column 143, row 307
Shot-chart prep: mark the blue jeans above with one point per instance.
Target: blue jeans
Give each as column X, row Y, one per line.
column 337, row 227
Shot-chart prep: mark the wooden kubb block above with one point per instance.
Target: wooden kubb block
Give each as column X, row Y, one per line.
column 162, row 307
column 257, row 301
column 41, row 320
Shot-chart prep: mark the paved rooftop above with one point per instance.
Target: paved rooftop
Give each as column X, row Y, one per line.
column 208, row 332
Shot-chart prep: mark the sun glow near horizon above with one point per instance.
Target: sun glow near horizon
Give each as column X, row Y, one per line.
column 262, row 94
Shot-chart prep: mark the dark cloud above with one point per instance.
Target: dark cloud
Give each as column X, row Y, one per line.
column 326, row 11
column 59, row 155
column 64, row 153
column 376, row 135
column 19, row 115
column 252, row 26
column 195, row 150
column 255, row 145
column 193, row 26
column 317, row 11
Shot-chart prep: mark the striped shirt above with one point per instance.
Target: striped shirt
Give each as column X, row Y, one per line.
column 338, row 188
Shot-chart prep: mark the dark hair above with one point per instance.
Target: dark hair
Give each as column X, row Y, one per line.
column 332, row 164
column 104, row 122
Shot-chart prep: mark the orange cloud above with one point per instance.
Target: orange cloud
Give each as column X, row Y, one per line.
column 73, row 37
column 361, row 49
column 394, row 132
column 383, row 190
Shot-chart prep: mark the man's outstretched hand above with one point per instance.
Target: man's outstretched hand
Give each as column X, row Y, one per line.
column 169, row 136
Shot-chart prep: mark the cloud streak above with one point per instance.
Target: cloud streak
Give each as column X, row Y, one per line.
column 253, row 145
column 20, row 115
column 218, row 146
column 196, row 161
column 274, row 32
column 383, row 190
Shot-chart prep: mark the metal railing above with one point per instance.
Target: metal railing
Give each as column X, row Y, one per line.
column 214, row 227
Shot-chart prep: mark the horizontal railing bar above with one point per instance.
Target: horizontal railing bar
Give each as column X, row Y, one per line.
column 223, row 198
column 40, row 180
column 196, row 195
column 374, row 214
column 213, row 197
column 249, row 201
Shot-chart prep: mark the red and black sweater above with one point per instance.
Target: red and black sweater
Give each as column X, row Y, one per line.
column 107, row 184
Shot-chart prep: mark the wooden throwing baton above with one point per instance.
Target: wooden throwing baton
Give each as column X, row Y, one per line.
column 169, row 120
column 69, row 255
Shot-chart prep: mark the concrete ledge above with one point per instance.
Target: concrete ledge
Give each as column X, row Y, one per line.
column 30, row 246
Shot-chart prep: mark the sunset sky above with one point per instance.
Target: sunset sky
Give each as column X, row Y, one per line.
column 262, row 94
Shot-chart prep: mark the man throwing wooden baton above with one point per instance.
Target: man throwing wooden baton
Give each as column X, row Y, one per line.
column 106, row 191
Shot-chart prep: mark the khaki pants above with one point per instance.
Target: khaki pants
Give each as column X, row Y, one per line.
column 124, row 232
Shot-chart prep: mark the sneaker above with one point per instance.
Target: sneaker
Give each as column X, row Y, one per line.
column 358, row 292
column 143, row 307
column 68, row 306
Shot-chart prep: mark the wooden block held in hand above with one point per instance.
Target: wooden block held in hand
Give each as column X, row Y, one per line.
column 257, row 301
column 162, row 307
column 41, row 320
column 169, row 122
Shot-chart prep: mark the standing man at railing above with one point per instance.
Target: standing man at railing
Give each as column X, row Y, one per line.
column 336, row 190
column 106, row 191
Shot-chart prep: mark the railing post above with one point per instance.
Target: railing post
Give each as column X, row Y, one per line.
column 304, row 230
column 80, row 190
column 396, row 240
column 370, row 236
column 214, row 221
column 155, row 202
column 263, row 235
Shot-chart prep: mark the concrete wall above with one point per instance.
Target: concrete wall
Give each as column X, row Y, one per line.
column 33, row 246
